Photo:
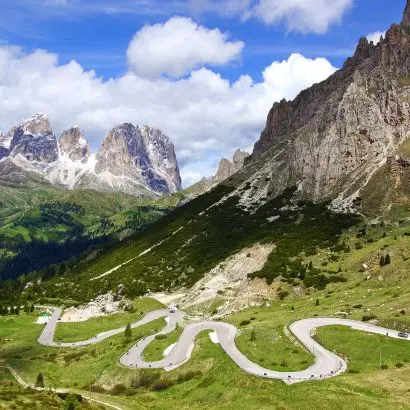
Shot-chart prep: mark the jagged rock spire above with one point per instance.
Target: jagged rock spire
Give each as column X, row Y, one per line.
column 406, row 15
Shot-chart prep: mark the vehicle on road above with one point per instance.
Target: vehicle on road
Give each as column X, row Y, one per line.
column 403, row 334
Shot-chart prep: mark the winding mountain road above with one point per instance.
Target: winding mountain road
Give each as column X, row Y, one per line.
column 326, row 365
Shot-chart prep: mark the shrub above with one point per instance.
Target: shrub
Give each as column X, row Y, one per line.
column 128, row 332
column 366, row 318
column 40, row 380
column 244, row 322
column 189, row 375
column 160, row 337
column 162, row 384
column 118, row 389
column 359, row 306
column 384, row 366
column 399, row 365
column 282, row 294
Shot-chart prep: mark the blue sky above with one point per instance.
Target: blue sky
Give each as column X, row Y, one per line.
column 98, row 33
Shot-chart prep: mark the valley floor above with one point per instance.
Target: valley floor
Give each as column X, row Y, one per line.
column 210, row 380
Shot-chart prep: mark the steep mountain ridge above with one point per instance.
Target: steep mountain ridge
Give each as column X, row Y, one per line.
column 331, row 139
column 226, row 169
column 133, row 159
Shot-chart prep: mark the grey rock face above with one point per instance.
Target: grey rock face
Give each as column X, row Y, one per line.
column 73, row 144
column 140, row 154
column 227, row 168
column 330, row 140
column 34, row 140
column 4, row 146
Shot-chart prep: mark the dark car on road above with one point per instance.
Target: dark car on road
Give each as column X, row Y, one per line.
column 403, row 334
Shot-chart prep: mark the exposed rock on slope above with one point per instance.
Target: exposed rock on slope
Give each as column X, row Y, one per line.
column 335, row 135
column 227, row 168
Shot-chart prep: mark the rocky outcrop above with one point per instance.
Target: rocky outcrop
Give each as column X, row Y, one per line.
column 330, row 140
column 140, row 154
column 34, row 140
column 227, row 168
column 73, row 145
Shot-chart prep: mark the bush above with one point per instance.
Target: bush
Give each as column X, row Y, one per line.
column 366, row 318
column 359, row 306
column 189, row 375
column 282, row 294
column 160, row 337
column 384, row 366
column 162, row 384
column 399, row 365
column 244, row 322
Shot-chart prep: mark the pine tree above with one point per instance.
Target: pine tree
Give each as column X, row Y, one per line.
column 253, row 335
column 32, row 308
column 128, row 332
column 387, row 260
column 40, row 380
column 382, row 261
column 310, row 265
column 317, row 302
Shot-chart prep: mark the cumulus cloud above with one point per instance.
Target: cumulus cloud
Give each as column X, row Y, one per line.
column 191, row 177
column 291, row 76
column 206, row 115
column 301, row 15
column 375, row 37
column 178, row 46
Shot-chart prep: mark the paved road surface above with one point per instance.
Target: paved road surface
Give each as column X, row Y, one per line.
column 326, row 365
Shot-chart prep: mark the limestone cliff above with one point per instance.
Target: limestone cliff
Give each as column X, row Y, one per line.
column 330, row 140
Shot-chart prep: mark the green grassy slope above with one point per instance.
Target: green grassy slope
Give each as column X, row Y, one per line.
column 211, row 380
column 39, row 219
column 194, row 238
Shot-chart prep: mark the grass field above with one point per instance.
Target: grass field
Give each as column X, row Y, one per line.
column 210, row 380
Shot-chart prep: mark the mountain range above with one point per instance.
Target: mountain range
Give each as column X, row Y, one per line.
column 134, row 159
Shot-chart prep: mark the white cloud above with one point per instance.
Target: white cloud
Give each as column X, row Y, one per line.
column 301, row 15
column 291, row 76
column 375, row 37
column 206, row 115
column 190, row 177
column 178, row 46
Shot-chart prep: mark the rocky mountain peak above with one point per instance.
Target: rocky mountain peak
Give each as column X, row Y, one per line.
column 73, row 145
column 239, row 158
column 331, row 139
column 142, row 154
column 34, row 140
column 227, row 168
column 38, row 124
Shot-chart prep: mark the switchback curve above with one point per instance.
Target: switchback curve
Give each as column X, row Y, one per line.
column 326, row 365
